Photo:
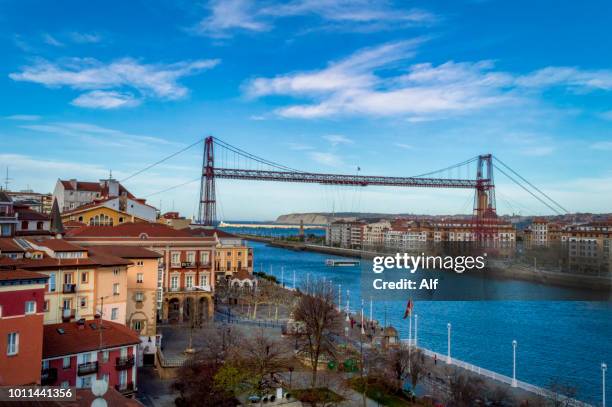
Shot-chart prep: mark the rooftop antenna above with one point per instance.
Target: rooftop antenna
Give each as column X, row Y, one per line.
column 7, row 180
column 110, row 174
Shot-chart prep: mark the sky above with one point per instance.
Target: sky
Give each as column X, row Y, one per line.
column 392, row 88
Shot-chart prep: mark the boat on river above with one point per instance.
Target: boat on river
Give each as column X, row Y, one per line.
column 341, row 263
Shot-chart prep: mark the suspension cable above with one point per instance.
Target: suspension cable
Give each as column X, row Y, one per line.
column 172, row 187
column 531, row 193
column 531, row 185
column 466, row 162
column 162, row 160
column 260, row 160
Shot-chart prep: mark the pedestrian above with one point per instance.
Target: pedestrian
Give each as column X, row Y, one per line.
column 435, row 359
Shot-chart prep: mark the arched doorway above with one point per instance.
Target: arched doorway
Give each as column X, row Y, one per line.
column 174, row 310
column 203, row 310
column 188, row 308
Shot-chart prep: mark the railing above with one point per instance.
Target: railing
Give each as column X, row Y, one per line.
column 125, row 388
column 570, row 402
column 174, row 289
column 122, row 363
column 48, row 376
column 69, row 288
column 68, row 314
column 87, row 368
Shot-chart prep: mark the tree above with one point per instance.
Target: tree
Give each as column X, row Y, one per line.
column 417, row 366
column 317, row 312
column 464, row 390
column 561, row 393
column 196, row 386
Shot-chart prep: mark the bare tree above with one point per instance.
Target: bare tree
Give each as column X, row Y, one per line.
column 316, row 310
column 464, row 390
column 561, row 393
column 418, row 369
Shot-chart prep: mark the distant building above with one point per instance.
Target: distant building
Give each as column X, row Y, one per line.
column 107, row 213
column 31, row 222
column 76, row 353
column 21, row 326
column 36, row 201
column 346, row 234
column 174, row 220
column 589, row 247
column 8, row 217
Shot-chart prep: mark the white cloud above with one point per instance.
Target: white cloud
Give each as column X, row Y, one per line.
column 23, row 117
column 404, row 146
column 100, row 99
column 96, row 134
column 227, row 16
column 49, row 39
column 150, row 80
column 85, row 38
column 327, row 159
column 336, row 139
column 356, row 85
column 570, row 77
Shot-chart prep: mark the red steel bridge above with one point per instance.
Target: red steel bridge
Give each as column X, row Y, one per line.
column 241, row 165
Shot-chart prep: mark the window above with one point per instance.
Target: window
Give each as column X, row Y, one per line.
column 105, row 377
column 46, row 306
column 116, row 272
column 123, row 352
column 204, row 257
column 116, row 289
column 137, row 326
column 174, row 282
column 139, row 296
column 12, row 344
column 203, row 280
column 45, row 364
column 0, row 311
column 114, row 314
column 68, row 278
column 66, row 362
column 84, row 277
column 189, row 281
column 83, row 302
column 123, row 378
column 139, row 277
column 52, row 282
column 175, row 259
column 30, row 307
column 229, row 253
column 140, row 263
column 39, row 226
column 85, row 382
column 229, row 265
column 191, row 257
column 24, row 225
column 239, row 264
column 104, row 356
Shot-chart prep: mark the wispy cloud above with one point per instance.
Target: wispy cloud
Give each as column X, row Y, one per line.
column 100, row 99
column 336, row 139
column 96, row 134
column 85, row 38
column 227, row 17
column 419, row 92
column 404, row 146
column 23, row 117
column 159, row 81
column 51, row 40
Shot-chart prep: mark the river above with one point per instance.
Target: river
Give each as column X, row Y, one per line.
column 560, row 341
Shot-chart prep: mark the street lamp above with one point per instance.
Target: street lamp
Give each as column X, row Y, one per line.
column 514, row 343
column 448, row 357
column 604, row 367
column 416, row 329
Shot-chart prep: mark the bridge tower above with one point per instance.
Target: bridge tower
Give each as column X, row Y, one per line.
column 207, row 214
column 484, row 215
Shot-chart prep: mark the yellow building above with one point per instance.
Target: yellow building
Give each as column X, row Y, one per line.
column 98, row 215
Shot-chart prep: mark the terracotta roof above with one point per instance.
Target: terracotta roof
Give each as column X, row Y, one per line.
column 93, row 187
column 24, row 213
column 84, row 338
column 207, row 232
column 18, row 274
column 242, row 275
column 73, row 224
column 51, row 263
column 94, row 204
column 8, row 245
column 129, row 230
column 8, row 263
column 104, row 259
column 126, row 252
column 57, row 245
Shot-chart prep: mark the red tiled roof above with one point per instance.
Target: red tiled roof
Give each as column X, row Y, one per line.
column 51, row 263
column 24, row 213
column 57, row 245
column 18, row 274
column 126, row 252
column 93, row 187
column 85, row 338
column 8, row 245
column 129, row 230
column 8, row 263
column 206, row 232
column 84, row 397
column 95, row 203
column 104, row 259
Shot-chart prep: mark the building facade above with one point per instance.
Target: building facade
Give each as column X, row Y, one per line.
column 21, row 326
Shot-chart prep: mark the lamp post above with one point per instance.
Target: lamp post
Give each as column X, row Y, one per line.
column 348, row 309
column 339, row 297
column 514, row 344
column 448, row 357
column 416, row 329
column 604, row 367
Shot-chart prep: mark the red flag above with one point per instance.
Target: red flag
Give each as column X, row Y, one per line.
column 408, row 311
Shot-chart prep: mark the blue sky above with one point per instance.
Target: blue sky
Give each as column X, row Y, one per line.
column 396, row 88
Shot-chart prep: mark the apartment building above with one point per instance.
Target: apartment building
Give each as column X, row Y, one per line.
column 8, row 217
column 347, row 234
column 38, row 202
column 76, row 353
column 589, row 247
column 373, row 233
column 21, row 326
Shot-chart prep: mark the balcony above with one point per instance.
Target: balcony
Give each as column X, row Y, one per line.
column 48, row 376
column 125, row 388
column 68, row 314
column 174, row 289
column 187, row 264
column 123, row 363
column 87, row 368
column 69, row 288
